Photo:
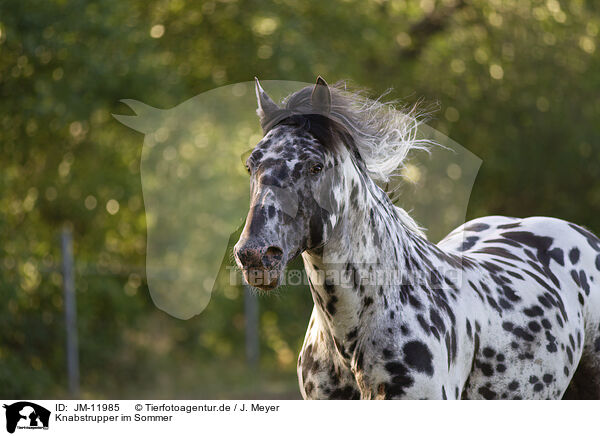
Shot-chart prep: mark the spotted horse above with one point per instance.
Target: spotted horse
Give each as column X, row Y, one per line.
column 502, row 308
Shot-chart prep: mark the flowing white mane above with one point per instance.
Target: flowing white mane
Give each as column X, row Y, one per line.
column 383, row 133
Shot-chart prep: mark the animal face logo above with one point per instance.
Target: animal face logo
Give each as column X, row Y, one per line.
column 195, row 190
column 196, row 196
column 26, row 415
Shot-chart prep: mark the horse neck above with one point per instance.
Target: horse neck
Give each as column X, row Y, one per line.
column 370, row 240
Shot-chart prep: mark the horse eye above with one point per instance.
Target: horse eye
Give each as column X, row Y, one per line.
column 316, row 168
column 246, row 159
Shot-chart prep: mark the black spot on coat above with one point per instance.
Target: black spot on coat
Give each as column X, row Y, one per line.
column 418, row 356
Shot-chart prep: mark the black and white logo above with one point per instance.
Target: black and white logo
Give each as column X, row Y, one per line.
column 26, row 415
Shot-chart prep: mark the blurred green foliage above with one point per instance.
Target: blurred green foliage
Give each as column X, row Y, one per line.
column 517, row 82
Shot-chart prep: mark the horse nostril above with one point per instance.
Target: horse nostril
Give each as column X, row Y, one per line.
column 272, row 256
column 273, row 251
column 248, row 257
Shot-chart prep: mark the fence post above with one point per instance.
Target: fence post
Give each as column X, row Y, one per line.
column 251, row 317
column 70, row 311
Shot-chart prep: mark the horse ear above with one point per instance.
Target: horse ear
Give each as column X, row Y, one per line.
column 266, row 106
column 321, row 96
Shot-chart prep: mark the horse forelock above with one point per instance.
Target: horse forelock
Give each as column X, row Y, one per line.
column 376, row 133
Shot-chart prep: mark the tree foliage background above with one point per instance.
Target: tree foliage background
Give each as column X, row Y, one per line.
column 517, row 82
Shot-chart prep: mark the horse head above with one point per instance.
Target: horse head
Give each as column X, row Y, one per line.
column 294, row 183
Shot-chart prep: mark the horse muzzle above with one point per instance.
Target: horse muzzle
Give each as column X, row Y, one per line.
column 261, row 265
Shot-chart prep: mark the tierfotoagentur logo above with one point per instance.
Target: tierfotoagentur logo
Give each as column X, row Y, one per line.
column 194, row 218
column 26, row 415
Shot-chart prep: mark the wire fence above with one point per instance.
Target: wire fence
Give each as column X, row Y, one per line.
column 69, row 272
